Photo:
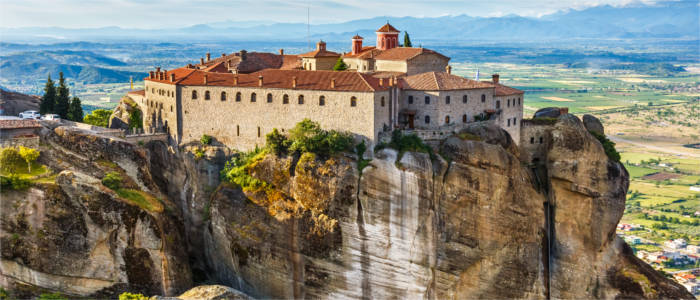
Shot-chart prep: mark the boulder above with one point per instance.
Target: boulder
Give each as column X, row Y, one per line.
column 593, row 124
column 548, row 112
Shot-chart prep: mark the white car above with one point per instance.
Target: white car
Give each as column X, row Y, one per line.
column 30, row 114
column 51, row 117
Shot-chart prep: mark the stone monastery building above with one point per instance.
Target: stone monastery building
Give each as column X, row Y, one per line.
column 238, row 98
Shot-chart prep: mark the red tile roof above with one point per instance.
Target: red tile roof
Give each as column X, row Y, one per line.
column 387, row 28
column 404, row 53
column 138, row 92
column 320, row 53
column 254, row 61
column 440, row 81
column 16, row 124
column 357, row 37
column 365, row 53
column 275, row 78
column 502, row 90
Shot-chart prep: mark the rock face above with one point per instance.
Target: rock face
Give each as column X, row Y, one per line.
column 121, row 114
column 77, row 237
column 593, row 124
column 483, row 225
column 482, row 220
column 11, row 103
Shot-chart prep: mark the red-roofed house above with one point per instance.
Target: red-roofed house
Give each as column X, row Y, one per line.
column 19, row 132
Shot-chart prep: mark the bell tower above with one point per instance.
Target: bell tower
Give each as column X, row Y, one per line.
column 356, row 44
column 387, row 37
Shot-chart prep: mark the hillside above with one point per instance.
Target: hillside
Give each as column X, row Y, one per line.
column 14, row 103
column 81, row 66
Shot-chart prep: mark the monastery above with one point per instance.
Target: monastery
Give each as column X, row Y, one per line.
column 238, row 98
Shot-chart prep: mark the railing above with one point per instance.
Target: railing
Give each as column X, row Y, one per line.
column 431, row 134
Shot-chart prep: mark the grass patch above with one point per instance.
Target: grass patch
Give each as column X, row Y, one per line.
column 468, row 136
column 141, row 199
column 639, row 172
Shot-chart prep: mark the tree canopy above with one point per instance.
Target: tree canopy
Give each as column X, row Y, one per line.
column 98, row 117
column 340, row 65
column 49, row 98
column 406, row 40
column 75, row 110
column 62, row 98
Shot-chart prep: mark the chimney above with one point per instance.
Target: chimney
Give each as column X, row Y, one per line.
column 205, row 79
column 281, row 51
column 494, row 78
column 242, row 54
column 151, row 75
column 223, row 54
column 563, row 110
column 448, row 69
column 235, row 80
column 201, row 60
column 356, row 44
column 260, row 80
column 157, row 69
column 172, row 77
column 321, row 45
column 332, row 83
column 208, row 56
column 294, row 82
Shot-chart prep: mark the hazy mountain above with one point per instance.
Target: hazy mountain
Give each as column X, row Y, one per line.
column 80, row 66
column 671, row 19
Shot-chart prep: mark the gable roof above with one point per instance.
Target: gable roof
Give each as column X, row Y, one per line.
column 502, row 90
column 275, row 78
column 16, row 124
column 404, row 53
column 440, row 81
column 365, row 53
column 319, row 53
column 254, row 61
column 387, row 28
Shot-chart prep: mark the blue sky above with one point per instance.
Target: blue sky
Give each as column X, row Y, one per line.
column 181, row 13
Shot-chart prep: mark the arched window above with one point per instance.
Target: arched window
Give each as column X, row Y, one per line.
column 223, row 96
column 464, row 118
column 238, row 97
column 464, row 99
column 382, row 101
column 483, row 98
column 508, row 105
column 322, row 100
column 269, row 98
column 427, row 119
column 253, row 97
column 427, row 99
column 194, row 95
column 206, row 95
column 285, row 99
column 353, row 101
column 301, row 99
column 447, row 100
column 447, row 120
column 498, row 104
column 518, row 100
column 410, row 99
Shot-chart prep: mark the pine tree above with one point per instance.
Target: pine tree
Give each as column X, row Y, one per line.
column 75, row 110
column 62, row 98
column 49, row 98
column 340, row 65
column 406, row 40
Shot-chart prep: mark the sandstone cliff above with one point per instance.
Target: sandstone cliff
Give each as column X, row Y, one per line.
column 484, row 219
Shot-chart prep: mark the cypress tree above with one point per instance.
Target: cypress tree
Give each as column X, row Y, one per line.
column 75, row 110
column 406, row 40
column 340, row 65
column 62, row 98
column 49, row 97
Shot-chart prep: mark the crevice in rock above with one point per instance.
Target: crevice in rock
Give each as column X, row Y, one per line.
column 364, row 258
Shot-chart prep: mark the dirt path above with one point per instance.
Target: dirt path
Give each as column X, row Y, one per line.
column 655, row 148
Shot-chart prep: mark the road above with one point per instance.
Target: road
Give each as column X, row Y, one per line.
column 688, row 270
column 618, row 139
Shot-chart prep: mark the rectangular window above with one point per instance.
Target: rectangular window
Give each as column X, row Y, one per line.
column 447, row 100
column 258, row 131
column 410, row 99
column 238, row 130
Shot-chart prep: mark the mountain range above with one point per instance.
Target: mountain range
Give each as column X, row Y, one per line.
column 672, row 19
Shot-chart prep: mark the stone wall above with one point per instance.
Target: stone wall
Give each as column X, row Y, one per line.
column 320, row 63
column 243, row 125
column 160, row 111
column 534, row 141
column 361, row 65
column 31, row 142
column 426, row 62
column 511, row 115
column 391, row 66
column 438, row 110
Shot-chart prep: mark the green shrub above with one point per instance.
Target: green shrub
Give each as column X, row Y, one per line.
column 361, row 161
column 135, row 119
column 543, row 121
column 198, row 153
column 277, row 142
column 112, row 180
column 52, row 296
column 130, row 296
column 307, row 136
column 10, row 159
column 98, row 117
column 237, row 170
column 205, row 139
column 468, row 136
column 3, row 294
column 608, row 146
column 14, row 182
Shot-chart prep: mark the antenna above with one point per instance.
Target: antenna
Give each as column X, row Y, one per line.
column 308, row 26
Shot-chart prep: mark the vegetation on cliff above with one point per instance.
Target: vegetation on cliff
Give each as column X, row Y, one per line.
column 18, row 167
column 608, row 145
column 98, row 117
column 308, row 136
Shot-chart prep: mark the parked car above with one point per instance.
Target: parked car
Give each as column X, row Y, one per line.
column 51, row 117
column 30, row 114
